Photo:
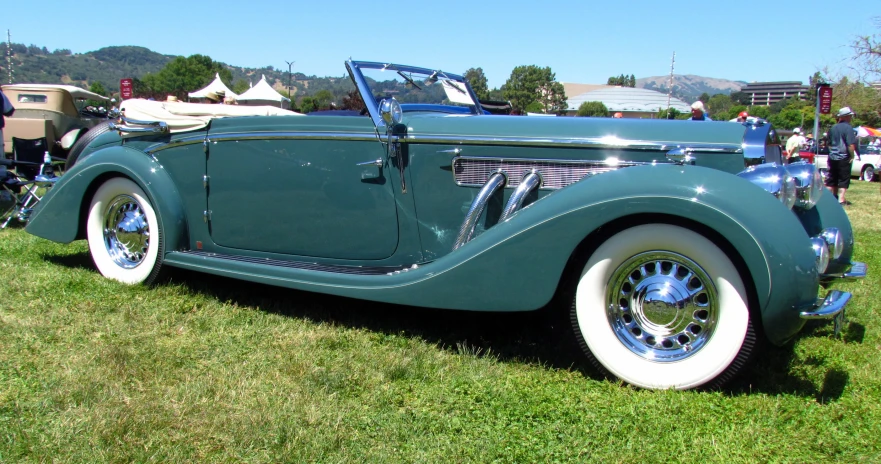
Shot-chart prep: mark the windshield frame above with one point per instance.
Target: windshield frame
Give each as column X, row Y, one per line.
column 354, row 68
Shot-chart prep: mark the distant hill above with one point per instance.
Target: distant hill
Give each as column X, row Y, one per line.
column 32, row 64
column 689, row 87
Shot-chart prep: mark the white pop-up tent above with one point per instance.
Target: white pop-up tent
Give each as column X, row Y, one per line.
column 261, row 94
column 213, row 89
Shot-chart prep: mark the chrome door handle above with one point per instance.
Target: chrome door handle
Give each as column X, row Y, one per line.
column 378, row 163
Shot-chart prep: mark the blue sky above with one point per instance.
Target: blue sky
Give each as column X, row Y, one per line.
column 582, row 41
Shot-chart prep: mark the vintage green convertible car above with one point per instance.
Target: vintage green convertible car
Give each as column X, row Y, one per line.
column 674, row 245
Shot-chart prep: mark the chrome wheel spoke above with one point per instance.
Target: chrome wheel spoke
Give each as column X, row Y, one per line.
column 662, row 305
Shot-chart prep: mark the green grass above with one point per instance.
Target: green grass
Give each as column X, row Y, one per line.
column 204, row 369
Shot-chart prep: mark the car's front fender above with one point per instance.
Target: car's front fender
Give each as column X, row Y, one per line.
column 61, row 213
column 528, row 253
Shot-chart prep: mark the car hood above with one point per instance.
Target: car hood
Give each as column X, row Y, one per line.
column 607, row 131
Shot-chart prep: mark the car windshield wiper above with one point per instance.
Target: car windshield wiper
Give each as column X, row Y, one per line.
column 455, row 85
column 409, row 81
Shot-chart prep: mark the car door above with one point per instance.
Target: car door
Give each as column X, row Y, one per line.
column 306, row 185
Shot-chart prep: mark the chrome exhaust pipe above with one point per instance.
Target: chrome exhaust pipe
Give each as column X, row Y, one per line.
column 530, row 182
column 496, row 181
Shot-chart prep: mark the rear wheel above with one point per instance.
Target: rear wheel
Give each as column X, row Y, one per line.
column 125, row 239
column 868, row 173
column 660, row 306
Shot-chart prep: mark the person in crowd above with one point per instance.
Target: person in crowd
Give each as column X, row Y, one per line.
column 809, row 142
column 794, row 144
column 618, row 115
column 741, row 117
column 6, row 110
column 698, row 112
column 842, row 148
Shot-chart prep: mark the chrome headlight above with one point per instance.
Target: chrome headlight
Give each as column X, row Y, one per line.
column 821, row 250
column 834, row 240
column 808, row 184
column 775, row 180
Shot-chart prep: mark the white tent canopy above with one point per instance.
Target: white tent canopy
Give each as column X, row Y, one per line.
column 261, row 94
column 211, row 89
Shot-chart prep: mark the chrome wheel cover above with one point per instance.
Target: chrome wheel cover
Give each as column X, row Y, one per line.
column 662, row 306
column 126, row 232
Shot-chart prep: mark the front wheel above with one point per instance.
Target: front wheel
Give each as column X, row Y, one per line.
column 868, row 173
column 125, row 238
column 660, row 306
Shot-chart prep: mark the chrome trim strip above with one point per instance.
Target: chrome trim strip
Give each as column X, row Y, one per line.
column 593, row 142
column 304, row 265
column 230, row 136
column 225, row 137
column 495, row 181
column 529, row 183
column 476, row 140
column 189, row 140
column 833, row 304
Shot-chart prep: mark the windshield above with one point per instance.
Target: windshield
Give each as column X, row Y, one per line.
column 416, row 87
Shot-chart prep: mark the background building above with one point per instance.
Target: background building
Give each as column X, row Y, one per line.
column 630, row 102
column 768, row 93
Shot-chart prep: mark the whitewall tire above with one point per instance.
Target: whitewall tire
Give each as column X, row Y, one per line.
column 125, row 238
column 660, row 306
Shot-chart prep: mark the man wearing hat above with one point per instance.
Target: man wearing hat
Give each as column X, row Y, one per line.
column 842, row 147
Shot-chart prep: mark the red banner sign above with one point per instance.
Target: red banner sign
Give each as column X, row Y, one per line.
column 825, row 94
column 125, row 89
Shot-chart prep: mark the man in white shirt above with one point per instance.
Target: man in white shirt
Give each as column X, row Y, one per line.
column 793, row 145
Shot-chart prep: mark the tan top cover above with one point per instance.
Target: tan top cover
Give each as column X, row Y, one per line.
column 75, row 92
column 182, row 117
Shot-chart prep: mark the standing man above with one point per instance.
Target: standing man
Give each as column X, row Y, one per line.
column 842, row 147
column 6, row 110
column 793, row 145
column 698, row 113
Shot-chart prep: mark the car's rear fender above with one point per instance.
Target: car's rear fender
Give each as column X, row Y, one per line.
column 60, row 215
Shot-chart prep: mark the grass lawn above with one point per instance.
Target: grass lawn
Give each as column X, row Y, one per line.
column 204, row 369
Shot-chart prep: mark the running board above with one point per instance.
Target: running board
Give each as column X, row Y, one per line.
column 216, row 260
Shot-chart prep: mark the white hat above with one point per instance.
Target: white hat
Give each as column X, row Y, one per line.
column 846, row 111
column 797, row 130
column 698, row 105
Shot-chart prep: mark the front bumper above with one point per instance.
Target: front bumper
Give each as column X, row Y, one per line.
column 857, row 271
column 829, row 307
column 833, row 305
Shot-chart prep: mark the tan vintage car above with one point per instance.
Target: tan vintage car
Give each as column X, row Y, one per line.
column 52, row 111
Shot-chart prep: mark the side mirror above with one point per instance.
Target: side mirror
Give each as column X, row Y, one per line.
column 391, row 112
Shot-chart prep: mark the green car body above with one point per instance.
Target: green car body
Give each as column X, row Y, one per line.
column 355, row 207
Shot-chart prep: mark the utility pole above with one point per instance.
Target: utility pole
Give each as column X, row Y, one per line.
column 9, row 54
column 670, row 90
column 290, row 81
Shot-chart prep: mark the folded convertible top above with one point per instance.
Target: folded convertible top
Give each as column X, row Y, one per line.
column 182, row 117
